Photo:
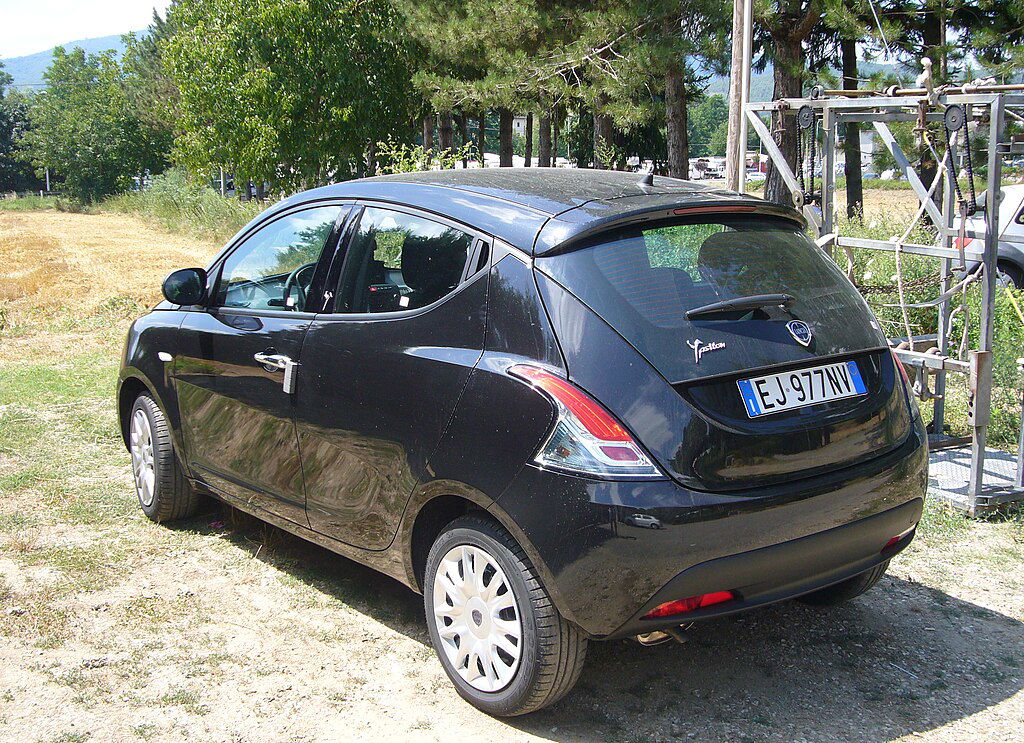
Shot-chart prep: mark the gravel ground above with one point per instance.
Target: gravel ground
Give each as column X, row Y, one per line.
column 222, row 629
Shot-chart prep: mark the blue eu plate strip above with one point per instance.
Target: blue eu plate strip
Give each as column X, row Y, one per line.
column 858, row 383
column 747, row 391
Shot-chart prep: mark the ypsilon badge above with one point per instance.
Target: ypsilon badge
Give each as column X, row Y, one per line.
column 699, row 350
column 800, row 331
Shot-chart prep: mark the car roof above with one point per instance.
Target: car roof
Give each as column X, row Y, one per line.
column 536, row 209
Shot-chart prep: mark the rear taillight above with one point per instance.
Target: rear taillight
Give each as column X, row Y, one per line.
column 962, row 242
column 586, row 438
column 682, row 606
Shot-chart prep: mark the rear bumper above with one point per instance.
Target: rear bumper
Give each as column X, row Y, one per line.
column 605, row 573
column 783, row 571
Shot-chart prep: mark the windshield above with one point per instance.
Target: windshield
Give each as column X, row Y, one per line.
column 642, row 281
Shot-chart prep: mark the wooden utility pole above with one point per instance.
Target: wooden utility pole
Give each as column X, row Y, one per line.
column 732, row 147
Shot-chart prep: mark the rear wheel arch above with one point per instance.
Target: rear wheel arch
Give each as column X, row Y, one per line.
column 430, row 522
column 436, row 513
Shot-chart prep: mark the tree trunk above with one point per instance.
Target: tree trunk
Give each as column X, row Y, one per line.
column 445, row 132
column 931, row 42
column 428, row 131
column 529, row 139
column 463, row 137
column 851, row 137
column 504, row 138
column 789, row 65
column 556, row 123
column 603, row 138
column 675, row 124
column 371, row 158
column 481, row 139
column 544, row 141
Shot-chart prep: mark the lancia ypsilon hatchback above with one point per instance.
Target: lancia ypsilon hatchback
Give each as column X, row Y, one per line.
column 492, row 384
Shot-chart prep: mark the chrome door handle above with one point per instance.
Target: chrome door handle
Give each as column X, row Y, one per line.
column 272, row 361
column 280, row 362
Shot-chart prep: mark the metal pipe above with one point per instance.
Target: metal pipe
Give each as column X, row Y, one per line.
column 960, row 89
column 1020, row 446
column 981, row 387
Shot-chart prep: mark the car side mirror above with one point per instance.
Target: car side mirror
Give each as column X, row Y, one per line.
column 186, row 286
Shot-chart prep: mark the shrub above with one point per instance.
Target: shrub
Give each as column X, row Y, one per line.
column 182, row 204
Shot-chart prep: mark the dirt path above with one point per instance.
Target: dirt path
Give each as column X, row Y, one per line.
column 221, row 629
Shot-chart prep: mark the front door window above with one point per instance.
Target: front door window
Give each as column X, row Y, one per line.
column 274, row 267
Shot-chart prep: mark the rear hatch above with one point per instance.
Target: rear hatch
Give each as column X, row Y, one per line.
column 680, row 292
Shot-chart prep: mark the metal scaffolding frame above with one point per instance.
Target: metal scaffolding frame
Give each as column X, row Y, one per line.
column 985, row 106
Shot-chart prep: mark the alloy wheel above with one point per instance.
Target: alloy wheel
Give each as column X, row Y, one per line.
column 142, row 457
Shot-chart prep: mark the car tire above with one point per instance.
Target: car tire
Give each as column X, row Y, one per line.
column 551, row 651
column 161, row 486
column 1012, row 273
column 848, row 589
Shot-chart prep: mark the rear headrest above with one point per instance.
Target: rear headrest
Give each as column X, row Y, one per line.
column 433, row 265
column 720, row 248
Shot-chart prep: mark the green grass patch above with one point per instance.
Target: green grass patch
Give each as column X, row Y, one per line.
column 185, row 698
column 28, row 203
column 941, row 522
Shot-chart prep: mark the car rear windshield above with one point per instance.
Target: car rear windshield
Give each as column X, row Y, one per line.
column 642, row 280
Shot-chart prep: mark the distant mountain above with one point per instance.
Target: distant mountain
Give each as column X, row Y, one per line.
column 762, row 84
column 28, row 71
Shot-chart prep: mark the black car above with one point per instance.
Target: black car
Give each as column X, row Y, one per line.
column 476, row 381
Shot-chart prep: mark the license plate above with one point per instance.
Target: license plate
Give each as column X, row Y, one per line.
column 795, row 389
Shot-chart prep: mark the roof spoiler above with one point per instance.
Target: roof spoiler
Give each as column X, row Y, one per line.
column 566, row 236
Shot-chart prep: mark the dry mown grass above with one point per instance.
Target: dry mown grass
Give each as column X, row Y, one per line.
column 65, row 277
column 220, row 629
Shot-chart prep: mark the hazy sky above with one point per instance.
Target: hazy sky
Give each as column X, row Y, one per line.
column 29, row 26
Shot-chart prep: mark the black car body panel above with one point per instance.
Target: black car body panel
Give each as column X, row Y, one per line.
column 378, row 394
column 396, row 417
column 238, row 426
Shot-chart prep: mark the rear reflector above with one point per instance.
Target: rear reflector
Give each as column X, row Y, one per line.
column 681, row 606
column 897, row 539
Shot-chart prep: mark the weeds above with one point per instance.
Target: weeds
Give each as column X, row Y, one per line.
column 182, row 204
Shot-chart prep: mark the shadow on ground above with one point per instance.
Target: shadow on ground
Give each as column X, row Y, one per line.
column 904, row 658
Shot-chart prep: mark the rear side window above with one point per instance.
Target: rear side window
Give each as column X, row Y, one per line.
column 643, row 280
column 398, row 261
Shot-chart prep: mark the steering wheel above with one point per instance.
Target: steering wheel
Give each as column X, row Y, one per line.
column 293, row 280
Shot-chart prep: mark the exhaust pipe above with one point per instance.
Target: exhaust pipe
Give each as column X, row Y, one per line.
column 647, row 639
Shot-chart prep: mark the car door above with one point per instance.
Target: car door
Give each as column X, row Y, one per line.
column 239, row 360
column 384, row 369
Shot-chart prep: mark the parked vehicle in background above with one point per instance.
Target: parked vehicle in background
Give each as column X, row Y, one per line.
column 643, row 520
column 1010, row 260
column 471, row 380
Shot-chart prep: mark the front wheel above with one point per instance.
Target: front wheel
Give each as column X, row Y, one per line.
column 163, row 491
column 496, row 631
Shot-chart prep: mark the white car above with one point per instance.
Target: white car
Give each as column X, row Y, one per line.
column 1011, row 233
column 643, row 521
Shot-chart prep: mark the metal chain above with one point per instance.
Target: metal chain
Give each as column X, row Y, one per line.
column 918, row 283
column 972, row 203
